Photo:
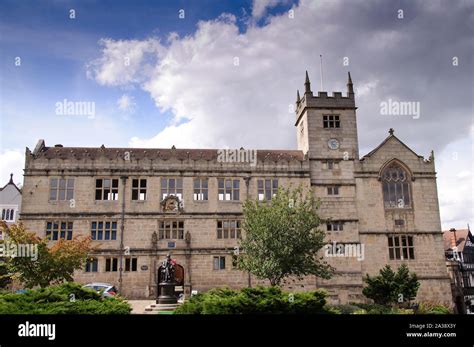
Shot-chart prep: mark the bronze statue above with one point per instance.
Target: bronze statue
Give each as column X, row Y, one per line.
column 168, row 269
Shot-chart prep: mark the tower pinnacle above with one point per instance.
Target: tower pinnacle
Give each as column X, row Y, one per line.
column 307, row 84
column 350, row 87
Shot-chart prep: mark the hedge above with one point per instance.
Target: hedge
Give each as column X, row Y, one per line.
column 58, row 300
column 258, row 300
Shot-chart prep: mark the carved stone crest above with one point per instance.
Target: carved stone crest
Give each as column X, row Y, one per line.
column 171, row 203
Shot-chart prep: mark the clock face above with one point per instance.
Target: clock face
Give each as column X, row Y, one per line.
column 333, row 144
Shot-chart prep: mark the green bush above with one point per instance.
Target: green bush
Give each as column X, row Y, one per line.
column 432, row 308
column 346, row 309
column 57, row 300
column 258, row 300
column 374, row 308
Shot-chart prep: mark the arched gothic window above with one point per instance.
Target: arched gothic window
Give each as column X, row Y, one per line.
column 396, row 187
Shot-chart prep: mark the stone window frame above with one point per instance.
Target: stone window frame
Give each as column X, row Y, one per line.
column 56, row 189
column 131, row 263
column 51, row 231
column 166, row 189
column 138, row 189
column 201, row 191
column 177, row 231
column 333, row 190
column 111, row 230
column 334, row 163
column 112, row 190
column 223, row 190
column 265, row 193
column 331, row 121
column 400, row 250
column 112, row 264
column 220, row 265
column 229, row 230
column 92, row 265
column 335, row 226
column 406, row 186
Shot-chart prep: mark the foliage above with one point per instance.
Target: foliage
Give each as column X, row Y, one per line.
column 387, row 287
column 258, row 300
column 53, row 265
column 5, row 275
column 282, row 237
column 428, row 307
column 66, row 298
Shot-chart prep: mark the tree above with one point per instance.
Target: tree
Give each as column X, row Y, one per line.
column 282, row 237
column 50, row 265
column 389, row 288
column 5, row 275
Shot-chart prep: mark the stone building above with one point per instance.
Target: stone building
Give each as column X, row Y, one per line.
column 140, row 204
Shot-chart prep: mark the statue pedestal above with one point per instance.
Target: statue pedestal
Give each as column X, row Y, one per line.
column 167, row 295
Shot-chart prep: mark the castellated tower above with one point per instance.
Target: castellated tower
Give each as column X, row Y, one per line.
column 383, row 206
column 327, row 134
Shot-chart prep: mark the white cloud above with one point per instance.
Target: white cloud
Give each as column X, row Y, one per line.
column 455, row 166
column 126, row 104
column 123, row 61
column 11, row 161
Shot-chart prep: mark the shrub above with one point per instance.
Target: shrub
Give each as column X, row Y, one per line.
column 432, row 308
column 58, row 300
column 258, row 300
column 348, row 309
column 389, row 287
column 374, row 308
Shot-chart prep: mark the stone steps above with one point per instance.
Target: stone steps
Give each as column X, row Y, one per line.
column 161, row 307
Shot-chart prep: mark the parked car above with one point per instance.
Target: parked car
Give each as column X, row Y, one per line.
column 106, row 289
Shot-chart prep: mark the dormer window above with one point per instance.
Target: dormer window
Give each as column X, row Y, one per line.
column 396, row 187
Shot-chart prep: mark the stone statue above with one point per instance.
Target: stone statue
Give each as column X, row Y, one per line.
column 168, row 269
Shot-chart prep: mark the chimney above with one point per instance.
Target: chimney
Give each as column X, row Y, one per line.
column 453, row 238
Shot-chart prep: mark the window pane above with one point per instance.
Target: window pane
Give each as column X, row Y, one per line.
column 69, row 194
column 222, row 262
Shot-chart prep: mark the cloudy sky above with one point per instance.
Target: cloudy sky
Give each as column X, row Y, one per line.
column 213, row 74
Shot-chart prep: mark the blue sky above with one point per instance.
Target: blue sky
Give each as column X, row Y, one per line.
column 55, row 50
column 183, row 87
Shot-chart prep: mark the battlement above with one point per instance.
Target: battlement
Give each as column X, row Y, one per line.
column 323, row 100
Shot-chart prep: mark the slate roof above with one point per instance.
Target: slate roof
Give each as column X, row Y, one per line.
column 156, row 153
